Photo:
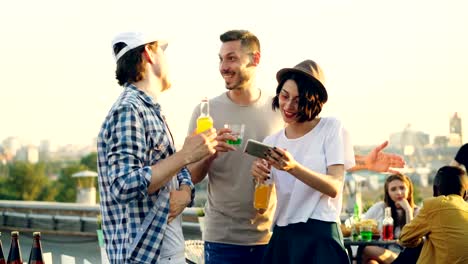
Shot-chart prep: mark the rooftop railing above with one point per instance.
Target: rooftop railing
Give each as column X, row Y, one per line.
column 67, row 218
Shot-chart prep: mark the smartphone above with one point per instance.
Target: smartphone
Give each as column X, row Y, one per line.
column 256, row 148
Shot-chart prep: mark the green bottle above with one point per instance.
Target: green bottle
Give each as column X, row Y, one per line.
column 356, row 219
column 356, row 216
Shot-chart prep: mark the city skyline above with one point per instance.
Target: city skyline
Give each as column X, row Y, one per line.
column 387, row 64
column 50, row 144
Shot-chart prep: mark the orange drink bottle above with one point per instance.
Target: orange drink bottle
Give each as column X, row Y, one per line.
column 204, row 121
column 262, row 194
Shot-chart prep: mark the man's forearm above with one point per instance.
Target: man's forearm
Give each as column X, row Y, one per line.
column 164, row 170
column 198, row 170
column 188, row 190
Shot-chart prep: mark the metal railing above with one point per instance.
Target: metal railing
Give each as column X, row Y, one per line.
column 65, row 218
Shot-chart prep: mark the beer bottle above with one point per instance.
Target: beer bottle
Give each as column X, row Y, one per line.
column 2, row 257
column 14, row 256
column 204, row 121
column 35, row 257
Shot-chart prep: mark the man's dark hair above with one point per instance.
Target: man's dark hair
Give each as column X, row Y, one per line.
column 249, row 41
column 450, row 180
column 130, row 67
column 310, row 103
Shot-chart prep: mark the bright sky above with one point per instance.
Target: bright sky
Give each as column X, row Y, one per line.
column 387, row 63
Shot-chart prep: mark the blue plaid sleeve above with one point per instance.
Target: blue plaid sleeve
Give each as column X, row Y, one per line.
column 184, row 177
column 129, row 177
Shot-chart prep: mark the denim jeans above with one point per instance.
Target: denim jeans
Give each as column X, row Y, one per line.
column 218, row 253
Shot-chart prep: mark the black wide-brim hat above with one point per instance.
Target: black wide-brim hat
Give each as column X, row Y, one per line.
column 310, row 70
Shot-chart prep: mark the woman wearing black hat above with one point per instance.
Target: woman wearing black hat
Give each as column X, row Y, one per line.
column 307, row 164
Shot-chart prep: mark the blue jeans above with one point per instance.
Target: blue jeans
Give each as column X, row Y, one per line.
column 218, row 253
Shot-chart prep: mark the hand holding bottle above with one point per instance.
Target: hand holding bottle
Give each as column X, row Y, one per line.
column 199, row 146
column 260, row 170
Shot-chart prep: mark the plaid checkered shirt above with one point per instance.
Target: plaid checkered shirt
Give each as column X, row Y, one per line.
column 133, row 137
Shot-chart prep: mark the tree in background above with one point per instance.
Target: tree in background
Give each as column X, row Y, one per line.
column 49, row 181
column 25, row 181
column 66, row 185
column 90, row 161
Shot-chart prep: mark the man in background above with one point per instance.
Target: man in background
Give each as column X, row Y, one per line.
column 443, row 220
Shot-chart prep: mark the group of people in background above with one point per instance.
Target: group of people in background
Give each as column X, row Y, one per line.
column 145, row 183
column 435, row 233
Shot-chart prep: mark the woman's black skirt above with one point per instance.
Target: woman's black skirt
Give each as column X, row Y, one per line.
column 312, row 242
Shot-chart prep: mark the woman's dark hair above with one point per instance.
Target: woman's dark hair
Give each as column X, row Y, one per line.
column 310, row 102
column 389, row 202
column 130, row 67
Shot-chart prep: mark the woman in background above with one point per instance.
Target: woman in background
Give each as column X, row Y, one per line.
column 399, row 197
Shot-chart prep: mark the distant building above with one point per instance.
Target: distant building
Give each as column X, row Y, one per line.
column 455, row 136
column 412, row 144
column 44, row 150
column 409, row 137
column 11, row 145
column 441, row 141
column 28, row 153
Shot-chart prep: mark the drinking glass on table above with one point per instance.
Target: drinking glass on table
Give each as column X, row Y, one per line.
column 366, row 232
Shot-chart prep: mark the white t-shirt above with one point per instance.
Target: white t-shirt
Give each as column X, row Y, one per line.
column 173, row 241
column 230, row 217
column 327, row 144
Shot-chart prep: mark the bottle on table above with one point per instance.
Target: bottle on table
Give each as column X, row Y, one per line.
column 387, row 225
column 2, row 256
column 204, row 121
column 356, row 219
column 35, row 257
column 14, row 255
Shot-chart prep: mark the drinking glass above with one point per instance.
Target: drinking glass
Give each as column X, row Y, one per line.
column 237, row 130
column 366, row 232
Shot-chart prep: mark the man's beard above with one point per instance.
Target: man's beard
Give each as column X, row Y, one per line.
column 243, row 79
